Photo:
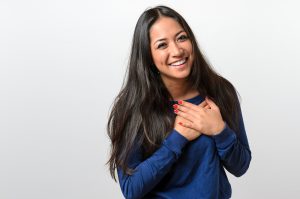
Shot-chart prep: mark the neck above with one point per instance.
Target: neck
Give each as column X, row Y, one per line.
column 180, row 90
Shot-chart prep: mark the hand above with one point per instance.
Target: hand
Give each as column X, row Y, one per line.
column 189, row 133
column 205, row 117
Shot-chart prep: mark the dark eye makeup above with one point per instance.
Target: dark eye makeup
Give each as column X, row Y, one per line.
column 161, row 45
column 182, row 37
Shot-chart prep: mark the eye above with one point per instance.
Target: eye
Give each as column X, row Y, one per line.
column 182, row 38
column 161, row 45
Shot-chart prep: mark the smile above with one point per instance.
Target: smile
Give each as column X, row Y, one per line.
column 180, row 62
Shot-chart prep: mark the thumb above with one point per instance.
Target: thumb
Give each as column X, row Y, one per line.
column 211, row 103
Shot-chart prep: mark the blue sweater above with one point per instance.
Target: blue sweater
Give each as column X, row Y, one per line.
column 188, row 170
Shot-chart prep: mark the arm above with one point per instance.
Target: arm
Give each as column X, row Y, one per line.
column 149, row 172
column 233, row 149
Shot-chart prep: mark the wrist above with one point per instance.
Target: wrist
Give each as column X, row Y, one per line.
column 220, row 128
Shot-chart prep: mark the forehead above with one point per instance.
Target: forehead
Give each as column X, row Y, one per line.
column 164, row 27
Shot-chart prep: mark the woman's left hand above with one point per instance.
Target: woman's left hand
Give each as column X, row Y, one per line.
column 205, row 119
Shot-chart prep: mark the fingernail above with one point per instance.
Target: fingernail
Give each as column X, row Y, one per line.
column 176, row 111
column 180, row 102
column 175, row 106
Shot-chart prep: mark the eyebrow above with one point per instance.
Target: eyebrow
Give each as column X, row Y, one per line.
column 162, row 39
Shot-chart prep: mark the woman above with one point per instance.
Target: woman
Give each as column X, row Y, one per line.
column 176, row 124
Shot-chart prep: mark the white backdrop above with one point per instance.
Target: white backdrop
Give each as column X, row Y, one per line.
column 62, row 62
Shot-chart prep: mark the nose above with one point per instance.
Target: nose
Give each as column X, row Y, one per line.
column 176, row 50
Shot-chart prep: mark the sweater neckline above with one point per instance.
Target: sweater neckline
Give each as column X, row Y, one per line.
column 197, row 98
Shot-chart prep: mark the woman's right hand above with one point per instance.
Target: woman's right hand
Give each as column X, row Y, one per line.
column 188, row 133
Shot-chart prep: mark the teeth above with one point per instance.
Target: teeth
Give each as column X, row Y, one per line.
column 178, row 62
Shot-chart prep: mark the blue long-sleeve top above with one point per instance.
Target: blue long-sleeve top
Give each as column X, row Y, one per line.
column 188, row 169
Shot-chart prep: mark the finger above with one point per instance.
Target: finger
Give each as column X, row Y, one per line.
column 188, row 125
column 181, row 119
column 207, row 107
column 211, row 103
column 189, row 105
column 186, row 116
column 188, row 111
column 203, row 104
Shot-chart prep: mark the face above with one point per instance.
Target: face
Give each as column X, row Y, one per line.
column 171, row 50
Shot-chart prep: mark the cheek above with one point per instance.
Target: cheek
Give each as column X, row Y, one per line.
column 190, row 47
column 191, row 52
column 192, row 55
column 159, row 58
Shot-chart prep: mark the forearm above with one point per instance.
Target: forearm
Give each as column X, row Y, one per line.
column 234, row 154
column 148, row 173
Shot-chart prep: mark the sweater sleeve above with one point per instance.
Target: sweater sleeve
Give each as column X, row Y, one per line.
column 233, row 149
column 149, row 172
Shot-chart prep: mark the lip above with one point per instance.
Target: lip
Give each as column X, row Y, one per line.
column 184, row 62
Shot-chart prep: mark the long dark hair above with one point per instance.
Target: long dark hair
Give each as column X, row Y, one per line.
column 141, row 115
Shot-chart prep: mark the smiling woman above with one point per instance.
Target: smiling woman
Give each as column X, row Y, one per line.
column 171, row 50
column 176, row 125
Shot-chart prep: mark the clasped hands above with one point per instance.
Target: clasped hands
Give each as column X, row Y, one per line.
column 193, row 120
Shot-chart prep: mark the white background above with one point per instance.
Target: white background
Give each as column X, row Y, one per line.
column 62, row 62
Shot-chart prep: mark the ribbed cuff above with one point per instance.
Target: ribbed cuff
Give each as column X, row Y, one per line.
column 175, row 142
column 225, row 138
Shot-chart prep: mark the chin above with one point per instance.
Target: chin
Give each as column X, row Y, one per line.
column 184, row 75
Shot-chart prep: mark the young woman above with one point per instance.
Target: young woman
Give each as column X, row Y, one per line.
column 176, row 124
